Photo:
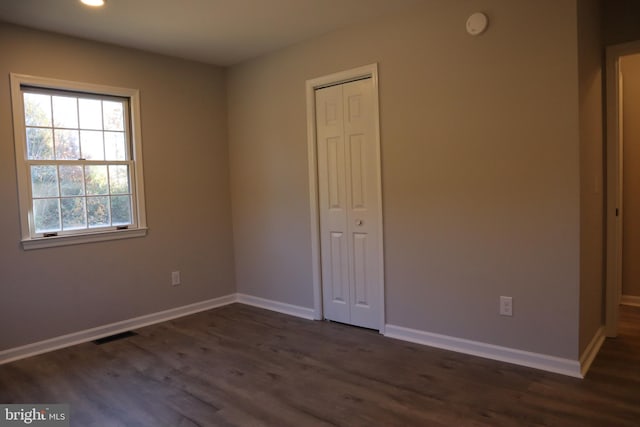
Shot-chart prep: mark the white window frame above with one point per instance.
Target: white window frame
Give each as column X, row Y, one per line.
column 139, row 226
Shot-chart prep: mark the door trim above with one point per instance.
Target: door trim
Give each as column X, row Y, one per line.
column 367, row 71
column 614, row 183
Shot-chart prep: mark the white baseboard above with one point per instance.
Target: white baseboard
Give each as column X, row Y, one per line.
column 56, row 343
column 630, row 300
column 590, row 353
column 558, row 365
column 281, row 307
column 504, row 354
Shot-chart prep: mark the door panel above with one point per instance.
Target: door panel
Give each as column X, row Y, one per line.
column 360, row 269
column 339, row 269
column 335, row 160
column 358, row 180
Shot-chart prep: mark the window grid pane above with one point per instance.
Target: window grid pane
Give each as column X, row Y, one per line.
column 37, row 109
column 65, row 112
column 39, row 143
column 46, row 213
column 74, row 213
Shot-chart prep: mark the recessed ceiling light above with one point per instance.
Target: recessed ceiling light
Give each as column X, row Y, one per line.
column 94, row 3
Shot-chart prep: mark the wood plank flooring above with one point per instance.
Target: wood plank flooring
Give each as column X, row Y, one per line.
column 243, row 366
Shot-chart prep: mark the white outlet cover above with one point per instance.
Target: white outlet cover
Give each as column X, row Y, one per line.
column 506, row 306
column 477, row 23
column 175, row 278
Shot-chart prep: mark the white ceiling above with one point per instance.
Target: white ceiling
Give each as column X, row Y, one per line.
column 221, row 32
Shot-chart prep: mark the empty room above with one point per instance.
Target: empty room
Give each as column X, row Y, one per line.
column 319, row 212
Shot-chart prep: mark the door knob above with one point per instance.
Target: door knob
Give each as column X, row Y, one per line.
column 359, row 222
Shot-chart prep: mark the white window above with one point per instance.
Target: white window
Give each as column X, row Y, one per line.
column 79, row 161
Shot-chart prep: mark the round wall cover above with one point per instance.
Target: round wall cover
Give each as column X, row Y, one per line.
column 477, row 23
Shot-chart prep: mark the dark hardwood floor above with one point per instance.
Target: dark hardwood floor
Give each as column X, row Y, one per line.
column 243, row 366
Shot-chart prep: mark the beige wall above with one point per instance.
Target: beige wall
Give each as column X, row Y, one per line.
column 630, row 68
column 51, row 292
column 480, row 161
column 590, row 56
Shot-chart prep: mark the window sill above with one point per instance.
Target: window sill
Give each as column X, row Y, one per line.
column 49, row 242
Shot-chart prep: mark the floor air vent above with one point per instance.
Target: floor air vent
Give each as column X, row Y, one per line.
column 114, row 337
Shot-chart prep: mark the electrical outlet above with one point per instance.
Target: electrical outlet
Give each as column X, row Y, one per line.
column 175, row 278
column 506, row 306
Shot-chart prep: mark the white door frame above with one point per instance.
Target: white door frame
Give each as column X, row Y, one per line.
column 614, row 182
column 367, row 71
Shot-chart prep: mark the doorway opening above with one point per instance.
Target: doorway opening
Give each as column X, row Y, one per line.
column 618, row 58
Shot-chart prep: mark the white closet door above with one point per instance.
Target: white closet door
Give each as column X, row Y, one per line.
column 348, row 182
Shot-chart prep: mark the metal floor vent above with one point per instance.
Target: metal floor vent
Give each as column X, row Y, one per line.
column 114, row 337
